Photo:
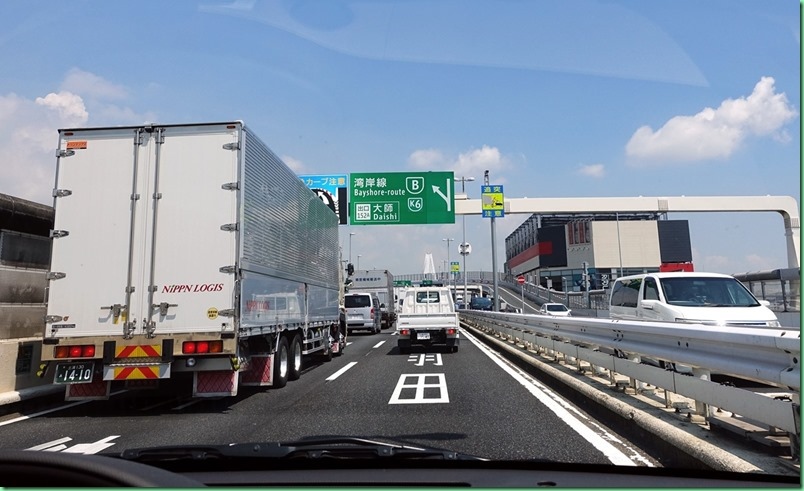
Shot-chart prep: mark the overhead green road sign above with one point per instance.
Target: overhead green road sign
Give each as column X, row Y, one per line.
column 401, row 198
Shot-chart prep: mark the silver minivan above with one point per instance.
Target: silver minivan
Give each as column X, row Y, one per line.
column 362, row 312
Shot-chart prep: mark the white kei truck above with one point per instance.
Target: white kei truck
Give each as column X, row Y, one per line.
column 427, row 318
column 185, row 252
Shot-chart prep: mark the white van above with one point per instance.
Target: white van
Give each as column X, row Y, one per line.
column 362, row 311
column 694, row 298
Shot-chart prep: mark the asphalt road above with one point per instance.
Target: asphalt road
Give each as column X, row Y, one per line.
column 471, row 401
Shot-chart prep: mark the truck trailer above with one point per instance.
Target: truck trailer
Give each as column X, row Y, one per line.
column 381, row 282
column 185, row 252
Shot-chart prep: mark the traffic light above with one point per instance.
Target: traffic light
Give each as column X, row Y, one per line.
column 350, row 269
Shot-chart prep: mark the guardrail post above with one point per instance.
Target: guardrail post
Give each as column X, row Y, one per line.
column 634, row 383
column 701, row 408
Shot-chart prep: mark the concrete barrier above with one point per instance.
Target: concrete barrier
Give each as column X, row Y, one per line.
column 19, row 362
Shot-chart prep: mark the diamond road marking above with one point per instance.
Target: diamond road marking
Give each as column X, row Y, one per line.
column 419, row 382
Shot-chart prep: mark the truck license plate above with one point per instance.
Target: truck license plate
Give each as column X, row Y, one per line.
column 74, row 373
column 423, row 335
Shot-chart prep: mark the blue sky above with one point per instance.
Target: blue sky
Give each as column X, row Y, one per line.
column 555, row 98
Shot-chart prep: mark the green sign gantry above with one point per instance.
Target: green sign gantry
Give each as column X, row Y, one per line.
column 401, row 198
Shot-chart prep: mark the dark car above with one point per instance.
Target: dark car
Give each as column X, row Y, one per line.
column 480, row 303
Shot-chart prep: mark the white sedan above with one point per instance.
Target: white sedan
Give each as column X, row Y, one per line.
column 556, row 309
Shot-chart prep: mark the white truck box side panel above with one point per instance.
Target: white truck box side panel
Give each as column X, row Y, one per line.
column 94, row 256
column 190, row 245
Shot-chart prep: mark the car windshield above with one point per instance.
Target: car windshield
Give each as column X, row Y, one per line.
column 201, row 204
column 702, row 292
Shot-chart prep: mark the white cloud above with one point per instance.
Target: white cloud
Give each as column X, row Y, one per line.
column 29, row 129
column 70, row 107
column 429, row 159
column 714, row 133
column 472, row 163
column 91, row 85
column 295, row 164
column 592, row 170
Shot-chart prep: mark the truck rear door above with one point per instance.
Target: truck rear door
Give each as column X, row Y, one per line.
column 98, row 172
column 192, row 237
column 145, row 235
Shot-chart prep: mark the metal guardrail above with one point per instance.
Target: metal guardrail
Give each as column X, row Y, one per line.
column 765, row 355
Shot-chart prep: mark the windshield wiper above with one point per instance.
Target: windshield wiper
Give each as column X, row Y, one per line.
column 321, row 448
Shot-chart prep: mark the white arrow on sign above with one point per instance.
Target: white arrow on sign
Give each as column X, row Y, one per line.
column 448, row 198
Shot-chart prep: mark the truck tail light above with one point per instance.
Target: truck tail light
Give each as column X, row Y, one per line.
column 451, row 331
column 74, row 351
column 405, row 332
column 193, row 347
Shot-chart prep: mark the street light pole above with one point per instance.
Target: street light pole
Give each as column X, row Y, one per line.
column 464, row 251
column 350, row 245
column 449, row 266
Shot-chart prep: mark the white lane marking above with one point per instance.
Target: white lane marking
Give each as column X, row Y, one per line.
column 436, row 381
column 348, row 343
column 82, row 448
column 48, row 411
column 42, row 413
column 421, row 359
column 559, row 409
column 378, row 344
column 54, row 443
column 341, row 371
column 92, row 448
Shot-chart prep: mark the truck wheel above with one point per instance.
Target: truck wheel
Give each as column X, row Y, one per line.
column 281, row 364
column 455, row 349
column 403, row 350
column 294, row 370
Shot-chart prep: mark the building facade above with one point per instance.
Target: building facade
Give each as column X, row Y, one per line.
column 575, row 252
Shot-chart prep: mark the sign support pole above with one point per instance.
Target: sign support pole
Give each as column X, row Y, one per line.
column 496, row 306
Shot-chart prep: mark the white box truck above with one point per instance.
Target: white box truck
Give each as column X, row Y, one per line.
column 381, row 282
column 185, row 251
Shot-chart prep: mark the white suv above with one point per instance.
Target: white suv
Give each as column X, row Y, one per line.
column 362, row 312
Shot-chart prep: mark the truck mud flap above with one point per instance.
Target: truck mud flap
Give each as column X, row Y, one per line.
column 259, row 371
column 216, row 383
column 96, row 390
